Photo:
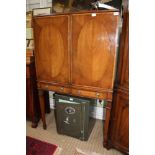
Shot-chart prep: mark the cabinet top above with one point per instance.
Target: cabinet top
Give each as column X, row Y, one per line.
column 77, row 12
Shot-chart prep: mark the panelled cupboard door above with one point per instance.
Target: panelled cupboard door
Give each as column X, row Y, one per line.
column 94, row 38
column 120, row 122
column 52, row 48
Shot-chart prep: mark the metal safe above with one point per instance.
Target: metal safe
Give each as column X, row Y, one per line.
column 72, row 116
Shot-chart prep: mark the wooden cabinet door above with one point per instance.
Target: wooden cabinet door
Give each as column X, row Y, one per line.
column 120, row 122
column 94, row 38
column 51, row 34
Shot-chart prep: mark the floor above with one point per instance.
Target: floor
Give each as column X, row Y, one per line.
column 68, row 144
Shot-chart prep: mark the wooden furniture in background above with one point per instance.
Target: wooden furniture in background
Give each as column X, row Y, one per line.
column 32, row 99
column 119, row 125
column 75, row 54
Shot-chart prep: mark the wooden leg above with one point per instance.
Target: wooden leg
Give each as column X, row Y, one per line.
column 106, row 125
column 31, row 102
column 42, row 107
column 47, row 103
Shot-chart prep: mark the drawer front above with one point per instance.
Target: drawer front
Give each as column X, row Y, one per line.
column 59, row 89
column 73, row 91
column 91, row 94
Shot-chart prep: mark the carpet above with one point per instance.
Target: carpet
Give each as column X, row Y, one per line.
column 81, row 152
column 38, row 147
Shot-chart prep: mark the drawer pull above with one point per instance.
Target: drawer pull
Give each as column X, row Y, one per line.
column 61, row 88
column 78, row 92
column 97, row 94
column 46, row 86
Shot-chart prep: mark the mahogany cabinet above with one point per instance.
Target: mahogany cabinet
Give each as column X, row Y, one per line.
column 119, row 125
column 76, row 51
column 75, row 54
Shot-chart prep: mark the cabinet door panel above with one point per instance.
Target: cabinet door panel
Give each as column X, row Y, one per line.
column 94, row 49
column 120, row 123
column 51, row 49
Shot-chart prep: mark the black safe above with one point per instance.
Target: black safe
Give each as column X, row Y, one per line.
column 72, row 116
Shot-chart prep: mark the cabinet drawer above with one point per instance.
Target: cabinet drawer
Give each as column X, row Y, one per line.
column 59, row 89
column 91, row 94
